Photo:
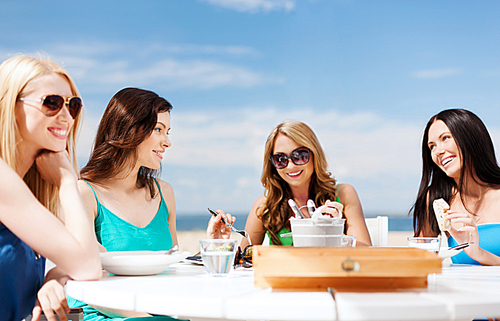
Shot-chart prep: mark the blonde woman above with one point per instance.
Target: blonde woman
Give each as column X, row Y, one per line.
column 44, row 215
column 295, row 168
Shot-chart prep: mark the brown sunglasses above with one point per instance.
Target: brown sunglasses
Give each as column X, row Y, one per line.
column 52, row 104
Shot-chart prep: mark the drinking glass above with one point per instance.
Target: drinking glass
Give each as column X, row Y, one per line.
column 348, row 241
column 218, row 256
column 427, row 243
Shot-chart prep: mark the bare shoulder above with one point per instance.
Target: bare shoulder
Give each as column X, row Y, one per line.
column 166, row 188
column 89, row 199
column 347, row 192
column 260, row 200
column 258, row 204
column 84, row 188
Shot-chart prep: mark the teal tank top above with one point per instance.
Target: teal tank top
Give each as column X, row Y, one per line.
column 116, row 234
column 489, row 240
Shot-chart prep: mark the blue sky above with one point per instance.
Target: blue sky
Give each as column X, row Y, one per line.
column 365, row 75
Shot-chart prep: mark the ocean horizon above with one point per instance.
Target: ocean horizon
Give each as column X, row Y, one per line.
column 192, row 222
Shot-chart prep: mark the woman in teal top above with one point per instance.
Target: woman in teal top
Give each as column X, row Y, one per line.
column 295, row 168
column 131, row 209
column 460, row 166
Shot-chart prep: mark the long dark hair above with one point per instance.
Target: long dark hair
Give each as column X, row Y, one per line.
column 128, row 120
column 275, row 211
column 478, row 164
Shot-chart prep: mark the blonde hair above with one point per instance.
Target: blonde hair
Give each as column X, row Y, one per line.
column 16, row 75
column 275, row 211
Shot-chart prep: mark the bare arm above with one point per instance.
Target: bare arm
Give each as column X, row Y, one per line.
column 468, row 233
column 355, row 219
column 90, row 204
column 168, row 194
column 71, row 246
column 254, row 226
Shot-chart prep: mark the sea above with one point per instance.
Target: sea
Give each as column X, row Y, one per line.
column 192, row 222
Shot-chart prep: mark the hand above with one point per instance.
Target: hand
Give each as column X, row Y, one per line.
column 216, row 229
column 467, row 233
column 51, row 298
column 55, row 166
column 332, row 209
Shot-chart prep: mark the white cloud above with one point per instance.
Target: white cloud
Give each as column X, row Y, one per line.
column 216, row 156
column 209, row 49
column 436, row 73
column 358, row 145
column 254, row 6
column 103, row 67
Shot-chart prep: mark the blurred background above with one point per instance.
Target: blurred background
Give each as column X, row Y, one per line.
column 365, row 75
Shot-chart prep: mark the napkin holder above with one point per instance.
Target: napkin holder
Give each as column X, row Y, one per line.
column 357, row 269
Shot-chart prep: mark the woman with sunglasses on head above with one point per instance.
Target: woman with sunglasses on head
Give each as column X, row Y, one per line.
column 295, row 168
column 459, row 166
column 43, row 216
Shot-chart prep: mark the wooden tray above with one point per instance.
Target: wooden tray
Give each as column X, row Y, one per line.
column 344, row 269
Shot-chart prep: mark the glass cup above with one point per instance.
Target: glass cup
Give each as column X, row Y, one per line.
column 218, row 256
column 427, row 243
column 348, row 241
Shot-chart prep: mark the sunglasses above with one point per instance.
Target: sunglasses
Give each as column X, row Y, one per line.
column 243, row 257
column 300, row 156
column 52, row 104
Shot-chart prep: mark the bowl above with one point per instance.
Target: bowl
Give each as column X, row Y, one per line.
column 426, row 243
column 139, row 262
column 309, row 232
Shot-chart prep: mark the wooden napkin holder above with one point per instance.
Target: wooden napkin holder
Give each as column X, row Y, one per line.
column 344, row 269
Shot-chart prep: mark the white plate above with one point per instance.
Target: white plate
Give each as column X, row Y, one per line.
column 139, row 262
column 445, row 253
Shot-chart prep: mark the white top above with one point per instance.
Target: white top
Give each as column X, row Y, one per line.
column 186, row 291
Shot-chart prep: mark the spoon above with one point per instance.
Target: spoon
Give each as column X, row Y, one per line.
column 311, row 207
column 459, row 246
column 240, row 232
column 175, row 248
column 295, row 209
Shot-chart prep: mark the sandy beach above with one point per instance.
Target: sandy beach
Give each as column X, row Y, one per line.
column 189, row 240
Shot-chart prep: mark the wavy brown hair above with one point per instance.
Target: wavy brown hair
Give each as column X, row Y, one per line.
column 129, row 119
column 275, row 211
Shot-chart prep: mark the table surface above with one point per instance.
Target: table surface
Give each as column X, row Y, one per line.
column 185, row 290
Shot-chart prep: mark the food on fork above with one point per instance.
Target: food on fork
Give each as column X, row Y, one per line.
column 440, row 209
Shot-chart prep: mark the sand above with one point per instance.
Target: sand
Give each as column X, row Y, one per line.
column 189, row 240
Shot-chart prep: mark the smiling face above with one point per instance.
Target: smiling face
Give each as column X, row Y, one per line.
column 444, row 150
column 39, row 132
column 150, row 151
column 294, row 175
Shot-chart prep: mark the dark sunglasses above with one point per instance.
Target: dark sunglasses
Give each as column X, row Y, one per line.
column 243, row 257
column 52, row 104
column 300, row 156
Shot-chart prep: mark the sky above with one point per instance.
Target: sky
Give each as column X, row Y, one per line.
column 365, row 75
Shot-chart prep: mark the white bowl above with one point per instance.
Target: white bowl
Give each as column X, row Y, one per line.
column 316, row 240
column 139, row 262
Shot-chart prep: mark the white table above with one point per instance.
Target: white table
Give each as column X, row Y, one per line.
column 184, row 290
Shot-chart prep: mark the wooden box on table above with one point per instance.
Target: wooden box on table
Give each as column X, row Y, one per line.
column 343, row 269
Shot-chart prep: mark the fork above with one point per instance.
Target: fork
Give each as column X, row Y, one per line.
column 234, row 229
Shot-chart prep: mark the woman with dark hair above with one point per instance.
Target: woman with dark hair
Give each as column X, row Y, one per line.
column 295, row 167
column 459, row 166
column 131, row 209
